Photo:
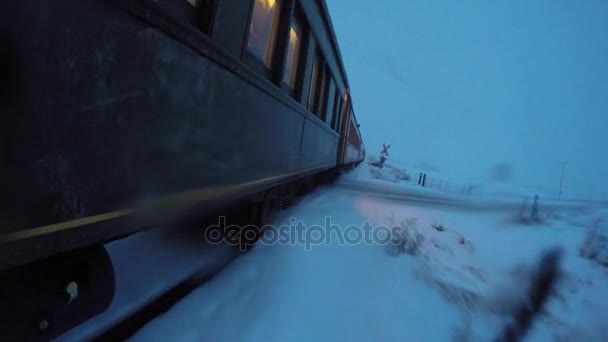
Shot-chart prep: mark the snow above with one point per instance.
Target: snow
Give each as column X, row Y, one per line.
column 283, row 292
column 468, row 272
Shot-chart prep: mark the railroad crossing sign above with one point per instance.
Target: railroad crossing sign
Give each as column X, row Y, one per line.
column 385, row 149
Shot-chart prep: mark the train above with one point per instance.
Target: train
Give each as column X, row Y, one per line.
column 122, row 115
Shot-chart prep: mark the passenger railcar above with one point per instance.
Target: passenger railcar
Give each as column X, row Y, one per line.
column 124, row 114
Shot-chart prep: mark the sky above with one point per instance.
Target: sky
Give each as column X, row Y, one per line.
column 468, row 85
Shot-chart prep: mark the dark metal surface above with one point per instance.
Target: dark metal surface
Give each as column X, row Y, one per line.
column 35, row 303
column 119, row 103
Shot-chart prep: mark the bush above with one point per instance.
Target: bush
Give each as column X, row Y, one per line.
column 406, row 239
column 438, row 226
column 388, row 173
column 400, row 175
column 376, row 172
column 595, row 246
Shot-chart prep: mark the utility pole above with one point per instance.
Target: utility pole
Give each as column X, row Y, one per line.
column 561, row 181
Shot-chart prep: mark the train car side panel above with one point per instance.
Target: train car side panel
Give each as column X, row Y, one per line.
column 117, row 111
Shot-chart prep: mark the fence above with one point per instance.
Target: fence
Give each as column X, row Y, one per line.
column 442, row 185
column 427, row 181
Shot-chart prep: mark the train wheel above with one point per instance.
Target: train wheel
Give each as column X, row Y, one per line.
column 274, row 201
column 265, row 213
column 304, row 186
column 42, row 300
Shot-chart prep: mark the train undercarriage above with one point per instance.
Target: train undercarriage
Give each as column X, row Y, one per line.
column 47, row 298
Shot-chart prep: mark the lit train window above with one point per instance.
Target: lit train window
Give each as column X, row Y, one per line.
column 293, row 54
column 263, row 30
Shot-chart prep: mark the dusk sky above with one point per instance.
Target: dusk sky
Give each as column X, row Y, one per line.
column 466, row 85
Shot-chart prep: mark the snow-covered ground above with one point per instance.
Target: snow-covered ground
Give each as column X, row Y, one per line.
column 386, row 183
column 488, row 188
column 466, row 271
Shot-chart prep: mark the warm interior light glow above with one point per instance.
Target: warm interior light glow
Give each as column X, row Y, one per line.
column 263, row 30
column 269, row 4
column 293, row 52
column 293, row 36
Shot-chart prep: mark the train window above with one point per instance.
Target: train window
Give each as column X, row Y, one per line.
column 316, row 69
column 335, row 108
column 338, row 123
column 319, row 83
column 331, row 99
column 323, row 89
column 293, row 54
column 335, row 102
column 263, row 30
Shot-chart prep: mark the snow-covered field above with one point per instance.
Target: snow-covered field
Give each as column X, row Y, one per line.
column 459, row 282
